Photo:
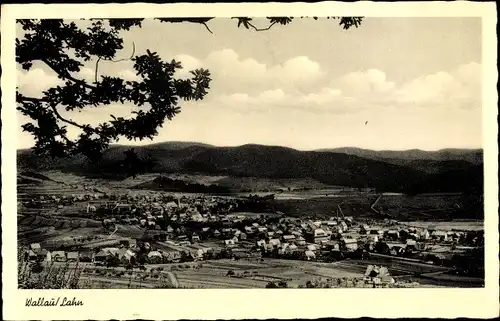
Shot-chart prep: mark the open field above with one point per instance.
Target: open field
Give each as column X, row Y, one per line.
column 258, row 273
column 465, row 225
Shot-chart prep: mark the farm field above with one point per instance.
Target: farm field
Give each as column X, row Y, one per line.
column 256, row 274
column 459, row 225
column 246, row 274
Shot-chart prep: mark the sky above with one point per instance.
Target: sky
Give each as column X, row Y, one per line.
column 392, row 83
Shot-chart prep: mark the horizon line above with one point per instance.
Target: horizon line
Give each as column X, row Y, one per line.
column 283, row 146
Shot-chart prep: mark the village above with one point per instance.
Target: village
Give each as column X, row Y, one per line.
column 206, row 228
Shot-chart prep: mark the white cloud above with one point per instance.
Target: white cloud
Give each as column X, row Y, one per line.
column 232, row 73
column 369, row 89
column 459, row 88
column 33, row 82
column 372, row 81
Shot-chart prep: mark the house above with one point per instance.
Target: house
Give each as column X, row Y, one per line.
column 229, row 242
column 115, row 250
column 155, row 257
column 35, row 247
column 243, row 236
column 411, row 244
column 413, row 236
column 195, row 238
column 171, row 205
column 174, row 256
column 126, row 256
column 378, row 232
column 197, row 254
column 312, row 247
column 274, row 243
column 262, row 244
column 72, row 257
column 349, row 244
column 317, row 236
column 301, row 241
column 424, row 234
column 101, row 256
column 310, row 255
column 364, row 229
column 32, row 255
column 59, row 256
column 440, row 236
column 217, row 233
column 196, row 217
column 120, row 208
column 373, row 238
column 85, row 256
column 44, row 255
column 262, row 229
column 392, row 235
column 397, row 250
column 331, row 223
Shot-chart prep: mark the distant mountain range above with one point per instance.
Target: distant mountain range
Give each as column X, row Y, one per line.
column 474, row 156
column 450, row 170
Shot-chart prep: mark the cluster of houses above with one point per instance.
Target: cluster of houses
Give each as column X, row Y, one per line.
column 189, row 222
column 155, row 214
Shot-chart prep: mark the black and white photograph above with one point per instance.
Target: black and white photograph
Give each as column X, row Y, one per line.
column 249, row 152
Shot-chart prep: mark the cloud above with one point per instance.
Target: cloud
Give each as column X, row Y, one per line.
column 372, row 81
column 369, row 89
column 458, row 88
column 33, row 82
column 232, row 73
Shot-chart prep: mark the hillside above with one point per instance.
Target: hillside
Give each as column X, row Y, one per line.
column 469, row 180
column 473, row 156
column 274, row 162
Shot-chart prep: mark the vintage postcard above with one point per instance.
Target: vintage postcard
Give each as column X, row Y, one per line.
column 222, row 161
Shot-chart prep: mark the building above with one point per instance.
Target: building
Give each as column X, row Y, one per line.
column 59, row 256
column 349, row 244
column 310, row 255
column 72, row 257
column 35, row 247
column 155, row 257
column 86, row 256
column 317, row 236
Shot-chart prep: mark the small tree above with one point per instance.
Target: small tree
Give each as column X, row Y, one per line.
column 271, row 285
column 282, row 284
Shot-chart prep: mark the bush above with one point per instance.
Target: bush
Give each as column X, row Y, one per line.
column 271, row 285
column 282, row 284
column 49, row 277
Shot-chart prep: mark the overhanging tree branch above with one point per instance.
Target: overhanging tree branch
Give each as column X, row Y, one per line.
column 66, row 75
column 22, row 98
